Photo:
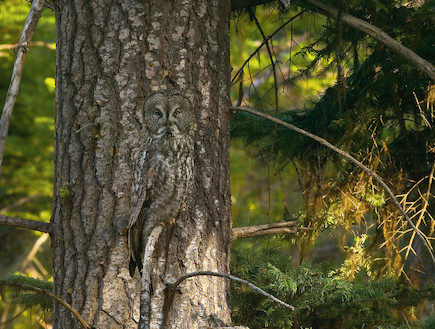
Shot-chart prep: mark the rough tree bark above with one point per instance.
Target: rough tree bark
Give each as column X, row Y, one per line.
column 110, row 56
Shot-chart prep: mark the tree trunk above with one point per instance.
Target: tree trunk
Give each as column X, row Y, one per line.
column 110, row 56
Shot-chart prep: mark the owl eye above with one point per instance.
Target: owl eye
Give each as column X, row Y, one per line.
column 177, row 113
column 157, row 113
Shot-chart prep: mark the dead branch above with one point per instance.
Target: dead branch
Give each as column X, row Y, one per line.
column 264, row 42
column 14, row 86
column 272, row 61
column 20, row 202
column 51, row 295
column 268, row 229
column 350, row 158
column 25, row 223
column 377, row 34
column 275, row 79
column 49, row 45
column 423, row 211
column 171, row 288
column 39, row 242
column 174, row 285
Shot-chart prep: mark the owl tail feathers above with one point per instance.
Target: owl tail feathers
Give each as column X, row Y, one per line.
column 132, row 267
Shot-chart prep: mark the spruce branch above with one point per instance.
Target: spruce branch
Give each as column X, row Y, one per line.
column 14, row 86
column 346, row 155
column 24, row 286
column 359, row 24
column 376, row 33
column 25, row 223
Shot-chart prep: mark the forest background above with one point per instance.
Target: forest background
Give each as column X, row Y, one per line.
column 358, row 263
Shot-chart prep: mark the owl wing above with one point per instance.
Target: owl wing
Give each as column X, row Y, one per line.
column 141, row 196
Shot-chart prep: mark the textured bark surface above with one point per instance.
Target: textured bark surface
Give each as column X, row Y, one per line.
column 110, row 56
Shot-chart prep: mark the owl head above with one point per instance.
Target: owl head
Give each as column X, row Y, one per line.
column 168, row 115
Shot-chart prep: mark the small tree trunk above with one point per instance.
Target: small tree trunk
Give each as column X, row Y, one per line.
column 110, row 56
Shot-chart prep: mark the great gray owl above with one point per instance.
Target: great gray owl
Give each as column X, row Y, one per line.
column 163, row 174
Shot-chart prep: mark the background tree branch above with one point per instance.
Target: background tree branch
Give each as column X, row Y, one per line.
column 14, row 86
column 171, row 288
column 268, row 229
column 25, row 223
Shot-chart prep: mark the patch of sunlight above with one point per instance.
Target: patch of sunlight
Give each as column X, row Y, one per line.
column 49, row 121
column 49, row 82
column 45, row 215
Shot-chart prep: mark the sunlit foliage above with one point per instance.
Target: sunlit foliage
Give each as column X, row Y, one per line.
column 378, row 108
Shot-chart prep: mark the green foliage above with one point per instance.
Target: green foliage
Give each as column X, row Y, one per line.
column 27, row 298
column 27, row 302
column 321, row 299
column 429, row 322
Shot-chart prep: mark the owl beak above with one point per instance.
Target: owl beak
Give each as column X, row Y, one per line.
column 169, row 132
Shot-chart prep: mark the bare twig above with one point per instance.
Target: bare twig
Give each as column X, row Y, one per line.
column 171, row 288
column 268, row 229
column 34, row 250
column 272, row 61
column 49, row 45
column 21, row 50
column 425, row 203
column 87, row 126
column 264, row 42
column 5, row 322
column 20, row 202
column 51, row 295
column 406, row 320
column 377, row 34
column 275, row 83
column 25, row 223
column 350, row 158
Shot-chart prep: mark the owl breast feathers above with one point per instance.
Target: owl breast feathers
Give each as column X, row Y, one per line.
column 164, row 170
